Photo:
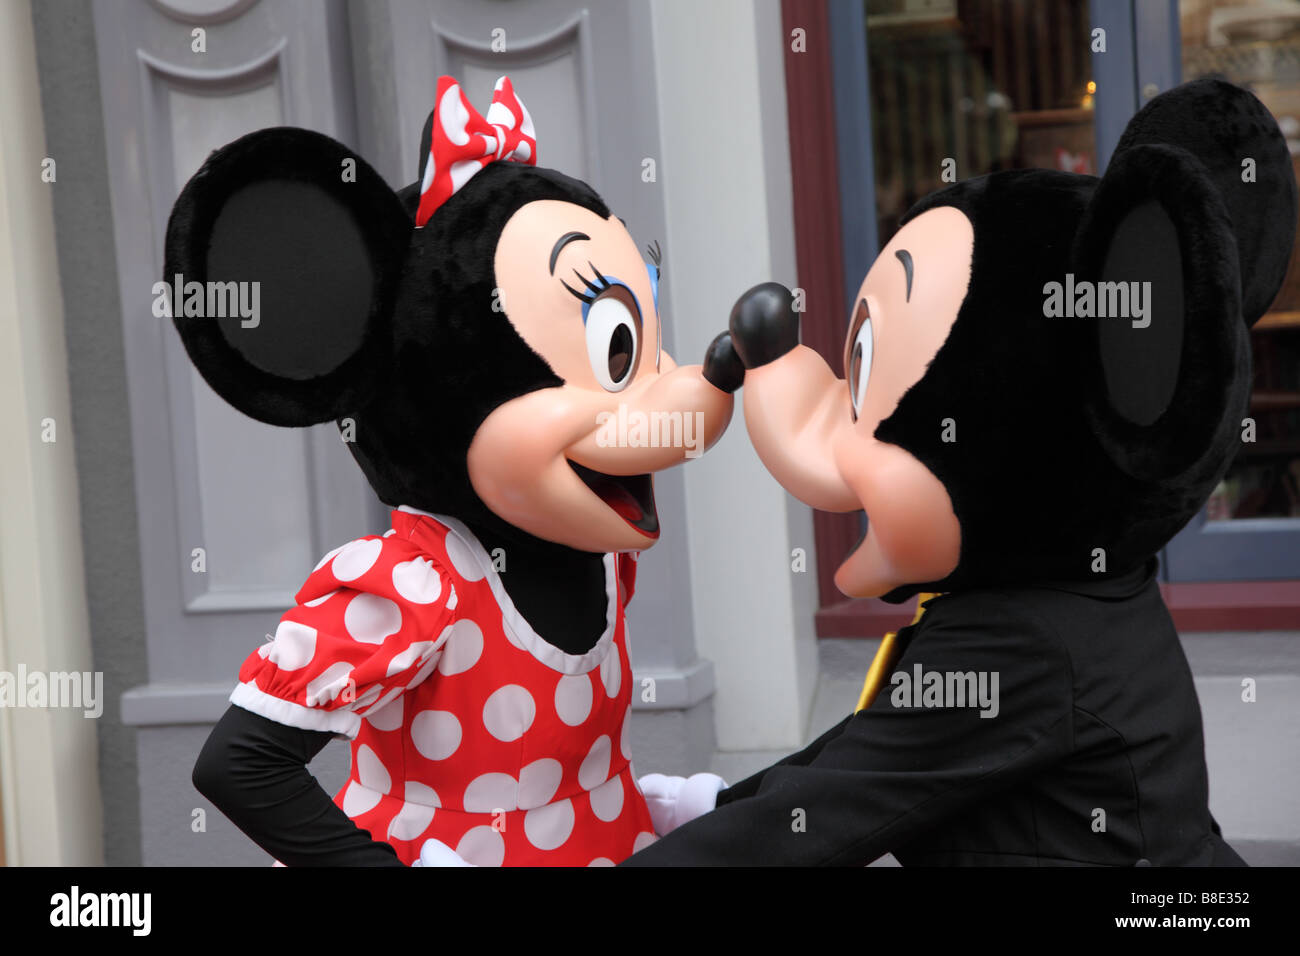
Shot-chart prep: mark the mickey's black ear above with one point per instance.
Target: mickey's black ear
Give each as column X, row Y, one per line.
column 1164, row 375
column 283, row 254
column 1238, row 142
column 1197, row 240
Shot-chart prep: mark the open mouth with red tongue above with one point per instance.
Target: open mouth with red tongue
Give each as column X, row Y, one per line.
column 631, row 497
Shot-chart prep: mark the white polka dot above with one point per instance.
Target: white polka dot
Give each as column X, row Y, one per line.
column 549, row 826
column 601, row 861
column 370, row 618
column 358, row 799
column 463, row 558
column 421, row 793
column 611, row 671
column 390, row 532
column 293, row 647
column 264, row 650
column 482, row 846
column 538, row 782
column 595, row 767
column 462, row 169
column 573, row 698
column 371, row 770
column 317, row 602
column 625, row 738
column 435, row 733
column 463, row 648
column 499, row 114
column 416, row 813
column 509, row 712
column 329, row 684
column 418, row 581
column 607, row 799
column 453, row 116
column 356, row 558
column 404, row 659
column 643, row 840
column 490, row 792
column 386, row 714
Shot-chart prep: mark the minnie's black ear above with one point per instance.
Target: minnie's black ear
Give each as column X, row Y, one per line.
column 1193, row 247
column 284, row 252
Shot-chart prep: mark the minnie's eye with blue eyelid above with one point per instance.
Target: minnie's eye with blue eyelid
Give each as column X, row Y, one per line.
column 613, row 330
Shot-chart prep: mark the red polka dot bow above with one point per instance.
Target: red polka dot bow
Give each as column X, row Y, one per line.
column 458, row 141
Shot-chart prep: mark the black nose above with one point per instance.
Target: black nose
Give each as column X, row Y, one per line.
column 722, row 366
column 764, row 324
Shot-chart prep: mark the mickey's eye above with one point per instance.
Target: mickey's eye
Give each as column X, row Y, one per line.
column 857, row 357
column 613, row 337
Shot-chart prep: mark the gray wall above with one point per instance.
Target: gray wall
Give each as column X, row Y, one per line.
column 70, row 98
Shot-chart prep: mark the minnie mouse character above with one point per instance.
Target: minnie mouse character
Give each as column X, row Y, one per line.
column 472, row 335
column 1028, row 459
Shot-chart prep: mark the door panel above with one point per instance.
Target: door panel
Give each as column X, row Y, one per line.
column 602, row 132
column 262, row 503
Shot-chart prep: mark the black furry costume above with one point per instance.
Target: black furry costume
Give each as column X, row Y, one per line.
column 1077, row 439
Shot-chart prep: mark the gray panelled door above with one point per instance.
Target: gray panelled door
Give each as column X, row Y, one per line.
column 233, row 513
column 586, row 74
column 265, row 503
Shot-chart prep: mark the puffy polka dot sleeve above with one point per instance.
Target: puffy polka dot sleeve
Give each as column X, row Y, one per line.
column 370, row 624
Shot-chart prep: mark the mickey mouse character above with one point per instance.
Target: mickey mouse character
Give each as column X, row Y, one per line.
column 470, row 334
column 1029, row 465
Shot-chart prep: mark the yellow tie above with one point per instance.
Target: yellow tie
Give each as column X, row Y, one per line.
column 886, row 657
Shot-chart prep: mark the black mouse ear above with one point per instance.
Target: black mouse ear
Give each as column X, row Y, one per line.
column 1162, row 348
column 282, row 258
column 1236, row 139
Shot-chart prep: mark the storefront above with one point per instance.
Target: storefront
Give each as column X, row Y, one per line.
column 909, row 95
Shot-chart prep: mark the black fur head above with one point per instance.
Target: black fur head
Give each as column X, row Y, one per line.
column 1074, row 434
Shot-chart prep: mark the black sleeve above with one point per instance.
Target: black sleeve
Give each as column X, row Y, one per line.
column 898, row 769
column 254, row 770
column 749, row 786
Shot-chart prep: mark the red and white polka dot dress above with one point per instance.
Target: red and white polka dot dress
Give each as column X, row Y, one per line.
column 465, row 725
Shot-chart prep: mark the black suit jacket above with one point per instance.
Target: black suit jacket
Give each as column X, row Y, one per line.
column 1095, row 756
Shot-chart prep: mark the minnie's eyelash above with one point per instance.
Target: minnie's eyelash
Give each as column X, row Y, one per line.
column 595, row 288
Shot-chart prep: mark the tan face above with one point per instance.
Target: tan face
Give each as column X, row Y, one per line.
column 815, row 430
column 573, row 464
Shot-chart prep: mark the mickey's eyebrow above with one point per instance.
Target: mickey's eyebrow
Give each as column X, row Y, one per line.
column 905, row 258
column 560, row 243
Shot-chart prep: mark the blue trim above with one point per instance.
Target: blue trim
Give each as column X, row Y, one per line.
column 1159, row 44
column 854, row 154
column 1115, row 73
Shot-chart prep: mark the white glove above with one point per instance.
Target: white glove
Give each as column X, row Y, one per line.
column 437, row 853
column 677, row 800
